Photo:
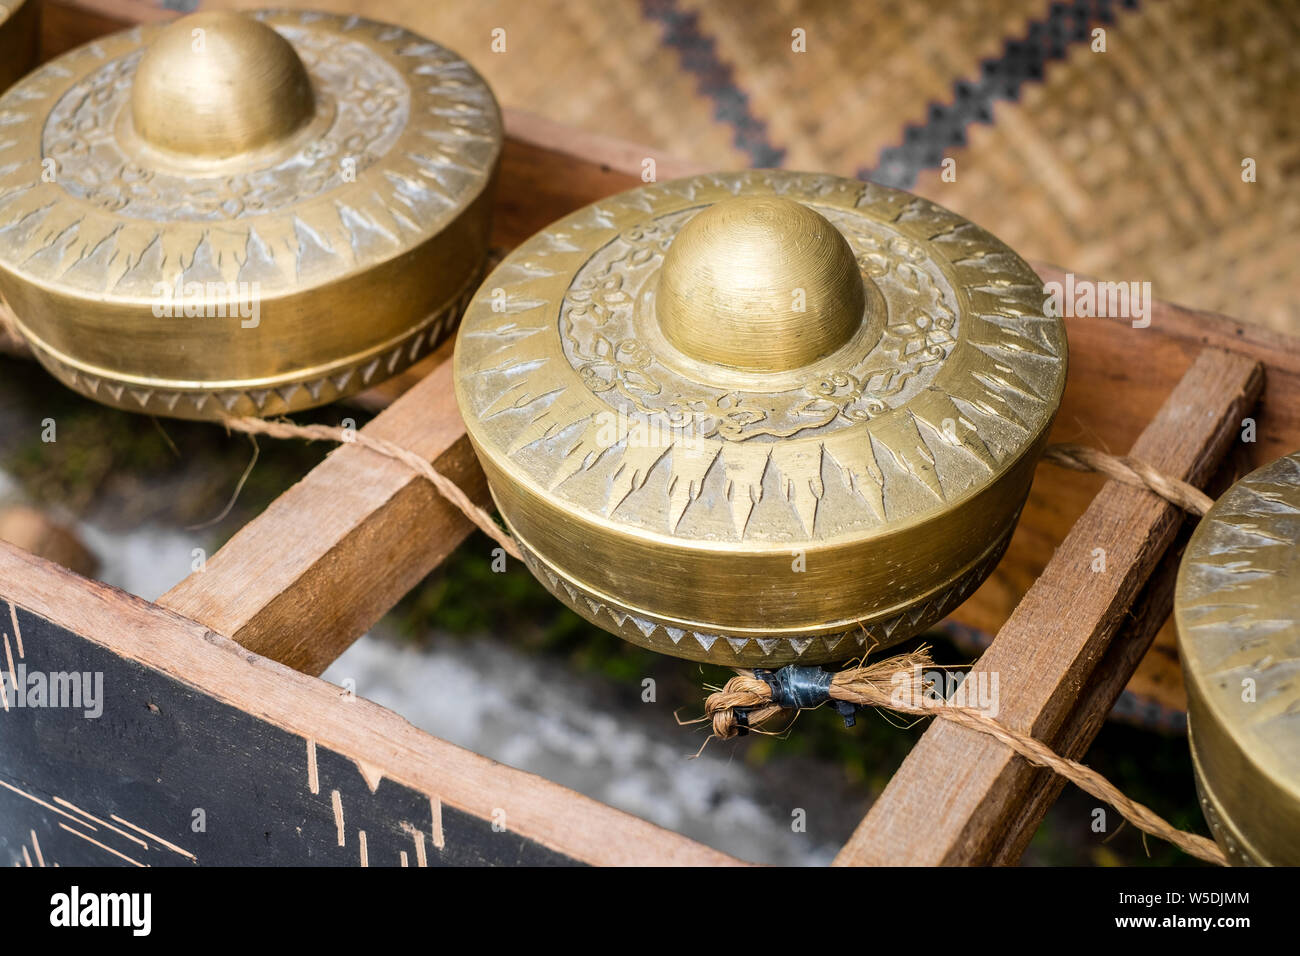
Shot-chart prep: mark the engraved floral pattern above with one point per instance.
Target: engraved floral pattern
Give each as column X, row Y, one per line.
column 598, row 323
column 372, row 106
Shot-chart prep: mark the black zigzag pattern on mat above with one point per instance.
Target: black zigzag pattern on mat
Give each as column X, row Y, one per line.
column 715, row 78
column 1023, row 60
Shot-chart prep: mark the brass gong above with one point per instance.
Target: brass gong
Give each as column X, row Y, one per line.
column 761, row 418
column 19, row 39
column 244, row 215
column 1237, row 609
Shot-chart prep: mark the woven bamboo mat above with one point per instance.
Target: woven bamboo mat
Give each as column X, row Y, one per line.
column 1128, row 164
column 1124, row 164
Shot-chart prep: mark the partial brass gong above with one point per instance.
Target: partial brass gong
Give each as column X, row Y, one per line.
column 19, row 38
column 761, row 418
column 244, row 215
column 1237, row 608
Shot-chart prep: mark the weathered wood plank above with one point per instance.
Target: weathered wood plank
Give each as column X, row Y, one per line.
column 1095, row 700
column 66, row 24
column 959, row 793
column 190, row 720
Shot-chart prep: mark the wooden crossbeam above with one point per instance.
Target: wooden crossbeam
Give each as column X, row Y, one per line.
column 962, row 797
column 1095, row 701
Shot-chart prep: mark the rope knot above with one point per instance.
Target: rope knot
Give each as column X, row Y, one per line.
column 752, row 699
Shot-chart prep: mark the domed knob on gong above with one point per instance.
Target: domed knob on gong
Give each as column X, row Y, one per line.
column 761, row 284
column 761, row 418
column 244, row 214
column 219, row 84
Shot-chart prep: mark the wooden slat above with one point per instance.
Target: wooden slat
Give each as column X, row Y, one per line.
column 615, row 155
column 69, row 23
column 960, row 794
column 1095, row 701
column 376, row 743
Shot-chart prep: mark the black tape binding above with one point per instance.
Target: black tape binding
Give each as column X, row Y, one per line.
column 796, row 687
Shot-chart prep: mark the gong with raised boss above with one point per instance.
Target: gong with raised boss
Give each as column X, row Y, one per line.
column 244, row 214
column 761, row 418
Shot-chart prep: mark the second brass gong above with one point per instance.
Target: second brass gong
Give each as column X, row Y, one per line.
column 243, row 214
column 764, row 417
column 1237, row 608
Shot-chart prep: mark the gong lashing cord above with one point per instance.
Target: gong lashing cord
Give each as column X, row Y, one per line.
column 898, row 684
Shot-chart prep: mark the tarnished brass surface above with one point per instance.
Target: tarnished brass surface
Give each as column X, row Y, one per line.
column 19, row 38
column 244, row 215
column 1237, row 608
column 761, row 417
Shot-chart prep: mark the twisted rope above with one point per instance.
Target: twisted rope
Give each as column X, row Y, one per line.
column 482, row 519
column 1130, row 471
column 878, row 685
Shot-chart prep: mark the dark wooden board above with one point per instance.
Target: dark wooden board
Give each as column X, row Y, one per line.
column 159, row 751
column 192, row 720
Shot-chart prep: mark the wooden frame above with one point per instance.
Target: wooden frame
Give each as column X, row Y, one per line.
column 227, row 656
